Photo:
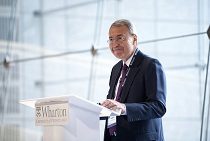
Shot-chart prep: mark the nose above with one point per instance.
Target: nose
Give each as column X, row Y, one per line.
column 115, row 43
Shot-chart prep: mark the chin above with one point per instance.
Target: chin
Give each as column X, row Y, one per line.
column 119, row 57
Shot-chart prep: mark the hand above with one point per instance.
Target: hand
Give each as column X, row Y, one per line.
column 114, row 105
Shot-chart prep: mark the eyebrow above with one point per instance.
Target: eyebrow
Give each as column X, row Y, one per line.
column 117, row 36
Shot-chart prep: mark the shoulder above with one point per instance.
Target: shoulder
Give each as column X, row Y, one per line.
column 146, row 59
column 117, row 65
column 147, row 62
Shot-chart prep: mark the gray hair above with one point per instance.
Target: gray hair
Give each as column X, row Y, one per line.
column 127, row 23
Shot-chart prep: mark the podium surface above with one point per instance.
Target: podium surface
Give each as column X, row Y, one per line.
column 68, row 118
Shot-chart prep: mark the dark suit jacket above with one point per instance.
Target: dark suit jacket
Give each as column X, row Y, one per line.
column 144, row 95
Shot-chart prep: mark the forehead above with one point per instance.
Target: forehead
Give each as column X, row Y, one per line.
column 118, row 30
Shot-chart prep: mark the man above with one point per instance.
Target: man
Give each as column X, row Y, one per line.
column 141, row 97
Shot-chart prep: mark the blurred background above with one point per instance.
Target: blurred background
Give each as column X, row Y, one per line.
column 59, row 47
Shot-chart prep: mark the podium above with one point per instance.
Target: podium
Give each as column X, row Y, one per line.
column 68, row 118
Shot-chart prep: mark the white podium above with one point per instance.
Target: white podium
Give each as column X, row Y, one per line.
column 68, row 118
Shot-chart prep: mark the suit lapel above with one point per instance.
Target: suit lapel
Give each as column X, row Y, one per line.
column 114, row 80
column 137, row 66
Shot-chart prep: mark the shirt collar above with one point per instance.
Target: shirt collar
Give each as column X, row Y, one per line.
column 129, row 60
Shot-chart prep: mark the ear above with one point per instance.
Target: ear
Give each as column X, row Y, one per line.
column 134, row 39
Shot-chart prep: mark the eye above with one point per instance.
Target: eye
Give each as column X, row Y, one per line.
column 111, row 39
column 121, row 38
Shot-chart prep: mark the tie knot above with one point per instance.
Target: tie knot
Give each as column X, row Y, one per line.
column 125, row 67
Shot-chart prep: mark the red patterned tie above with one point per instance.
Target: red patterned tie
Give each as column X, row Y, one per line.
column 122, row 81
column 112, row 130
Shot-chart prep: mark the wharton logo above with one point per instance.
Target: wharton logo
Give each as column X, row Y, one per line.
column 48, row 111
column 38, row 111
column 52, row 114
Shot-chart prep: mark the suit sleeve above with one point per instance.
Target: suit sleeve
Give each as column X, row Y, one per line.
column 153, row 105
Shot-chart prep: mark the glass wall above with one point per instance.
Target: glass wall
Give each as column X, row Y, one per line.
column 53, row 43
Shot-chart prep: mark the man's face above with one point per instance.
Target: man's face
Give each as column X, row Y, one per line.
column 121, row 43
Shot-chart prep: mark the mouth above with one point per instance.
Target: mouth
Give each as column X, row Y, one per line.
column 117, row 49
